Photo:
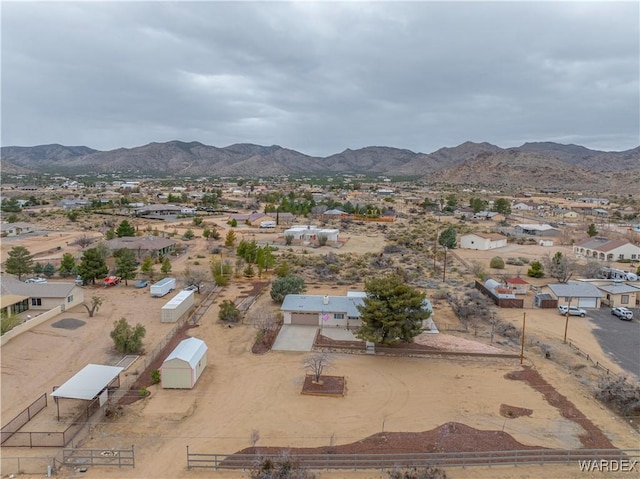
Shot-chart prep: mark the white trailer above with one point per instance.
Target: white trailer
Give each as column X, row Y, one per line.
column 177, row 307
column 163, row 287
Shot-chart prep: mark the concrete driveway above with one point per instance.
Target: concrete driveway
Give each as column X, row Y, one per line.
column 293, row 337
column 619, row 339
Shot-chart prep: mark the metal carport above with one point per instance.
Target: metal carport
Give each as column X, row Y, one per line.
column 88, row 383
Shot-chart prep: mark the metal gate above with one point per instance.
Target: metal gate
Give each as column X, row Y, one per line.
column 99, row 457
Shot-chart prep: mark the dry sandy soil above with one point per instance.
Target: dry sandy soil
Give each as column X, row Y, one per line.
column 240, row 392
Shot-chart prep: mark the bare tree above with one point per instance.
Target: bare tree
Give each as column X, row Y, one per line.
column 84, row 241
column 96, row 302
column 470, row 307
column 254, row 438
column 195, row 277
column 316, row 364
column 559, row 267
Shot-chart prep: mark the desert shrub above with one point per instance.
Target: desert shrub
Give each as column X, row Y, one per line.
column 514, row 261
column 496, row 262
column 127, row 339
column 155, row 376
column 283, row 467
column 619, row 394
column 229, row 312
column 393, row 248
column 286, row 285
column 428, row 472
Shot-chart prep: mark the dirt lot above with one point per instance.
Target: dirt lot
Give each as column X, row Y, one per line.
column 240, row 392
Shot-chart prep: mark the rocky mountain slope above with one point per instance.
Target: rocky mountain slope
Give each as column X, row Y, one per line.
column 531, row 165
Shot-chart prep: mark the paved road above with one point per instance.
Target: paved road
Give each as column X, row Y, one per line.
column 619, row 339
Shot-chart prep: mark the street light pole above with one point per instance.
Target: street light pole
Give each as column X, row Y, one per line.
column 566, row 321
column 524, row 322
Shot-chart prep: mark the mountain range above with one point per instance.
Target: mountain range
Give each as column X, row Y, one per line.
column 532, row 165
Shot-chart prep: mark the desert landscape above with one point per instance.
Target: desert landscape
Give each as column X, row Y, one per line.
column 240, row 393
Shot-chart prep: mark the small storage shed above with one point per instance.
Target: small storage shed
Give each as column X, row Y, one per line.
column 177, row 307
column 184, row 365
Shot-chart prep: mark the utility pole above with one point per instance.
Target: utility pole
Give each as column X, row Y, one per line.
column 444, row 265
column 524, row 322
column 566, row 321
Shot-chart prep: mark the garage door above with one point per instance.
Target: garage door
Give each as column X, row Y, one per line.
column 587, row 302
column 308, row 319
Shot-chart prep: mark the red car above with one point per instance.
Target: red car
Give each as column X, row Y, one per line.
column 111, row 280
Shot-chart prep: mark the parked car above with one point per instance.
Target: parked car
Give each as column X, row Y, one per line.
column 191, row 287
column 111, row 280
column 622, row 313
column 142, row 283
column 36, row 280
column 573, row 310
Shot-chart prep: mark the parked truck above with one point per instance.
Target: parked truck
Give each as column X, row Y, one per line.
column 163, row 287
column 177, row 307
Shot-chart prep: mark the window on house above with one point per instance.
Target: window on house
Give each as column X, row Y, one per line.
column 36, row 301
column 620, row 256
column 634, row 256
column 338, row 316
column 70, row 299
column 624, row 299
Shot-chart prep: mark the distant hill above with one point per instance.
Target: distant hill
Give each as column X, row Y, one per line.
column 528, row 166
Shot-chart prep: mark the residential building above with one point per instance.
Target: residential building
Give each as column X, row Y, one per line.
column 605, row 249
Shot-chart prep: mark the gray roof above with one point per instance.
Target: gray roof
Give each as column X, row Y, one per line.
column 315, row 303
column 88, row 382
column 619, row 288
column 11, row 285
column 575, row 290
column 140, row 242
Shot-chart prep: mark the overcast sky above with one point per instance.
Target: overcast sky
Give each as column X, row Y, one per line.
column 321, row 77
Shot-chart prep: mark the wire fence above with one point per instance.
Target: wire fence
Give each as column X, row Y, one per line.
column 596, row 364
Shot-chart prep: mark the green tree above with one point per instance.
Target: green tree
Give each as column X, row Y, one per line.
column 19, row 261
column 73, row 216
column 165, row 267
column 265, row 258
column 48, row 270
column 230, row 240
column 286, row 285
column 92, row 265
column 195, row 277
column 125, row 229
column 452, row 202
column 110, row 234
column 221, row 272
column 477, row 204
column 249, row 271
column 127, row 339
column 448, row 237
column 536, row 270
column 147, row 267
column 10, row 205
column 67, row 265
column 38, row 268
column 392, row 311
column 229, row 312
column 188, row 235
column 283, row 269
column 502, row 206
column 197, row 221
column 206, row 233
column 126, row 264
column 592, row 231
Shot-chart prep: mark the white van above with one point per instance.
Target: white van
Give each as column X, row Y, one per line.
column 268, row 224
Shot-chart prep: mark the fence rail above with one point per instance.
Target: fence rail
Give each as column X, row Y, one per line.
column 390, row 461
column 99, row 457
column 13, row 426
column 596, row 363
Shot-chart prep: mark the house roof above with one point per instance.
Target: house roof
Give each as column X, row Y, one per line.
column 535, row 227
column 602, row 244
column 158, row 207
column 88, row 382
column 140, row 242
column 334, row 212
column 489, row 236
column 619, row 288
column 315, row 303
column 189, row 350
column 575, row 290
column 515, row 281
column 11, row 285
column 11, row 299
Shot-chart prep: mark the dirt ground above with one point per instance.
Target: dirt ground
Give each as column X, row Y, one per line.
column 240, row 392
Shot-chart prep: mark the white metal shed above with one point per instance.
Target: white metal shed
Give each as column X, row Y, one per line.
column 184, row 365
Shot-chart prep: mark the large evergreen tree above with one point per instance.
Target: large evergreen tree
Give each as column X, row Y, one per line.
column 19, row 261
column 502, row 206
column 448, row 237
column 92, row 265
column 286, row 285
column 392, row 312
column 125, row 229
column 67, row 265
column 126, row 264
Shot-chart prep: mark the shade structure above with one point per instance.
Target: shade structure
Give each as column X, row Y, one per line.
column 88, row 382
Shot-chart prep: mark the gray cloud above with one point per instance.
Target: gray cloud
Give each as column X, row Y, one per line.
column 321, row 77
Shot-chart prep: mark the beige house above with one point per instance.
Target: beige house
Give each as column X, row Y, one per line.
column 16, row 229
column 607, row 249
column 620, row 294
column 42, row 296
column 482, row 241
